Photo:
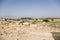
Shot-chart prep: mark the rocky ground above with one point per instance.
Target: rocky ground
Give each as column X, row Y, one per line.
column 13, row 30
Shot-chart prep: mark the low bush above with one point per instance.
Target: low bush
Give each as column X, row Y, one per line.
column 45, row 20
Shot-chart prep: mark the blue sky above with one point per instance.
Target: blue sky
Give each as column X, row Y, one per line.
column 30, row 8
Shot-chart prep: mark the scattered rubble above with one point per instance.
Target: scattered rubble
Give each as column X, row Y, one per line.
column 25, row 30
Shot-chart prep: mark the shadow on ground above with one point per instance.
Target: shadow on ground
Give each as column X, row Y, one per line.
column 56, row 35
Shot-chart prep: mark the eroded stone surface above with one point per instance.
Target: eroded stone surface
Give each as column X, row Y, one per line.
column 25, row 32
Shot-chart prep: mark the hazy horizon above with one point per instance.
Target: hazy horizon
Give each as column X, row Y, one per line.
column 30, row 8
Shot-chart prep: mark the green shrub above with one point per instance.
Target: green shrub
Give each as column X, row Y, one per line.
column 45, row 20
column 18, row 19
column 52, row 19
